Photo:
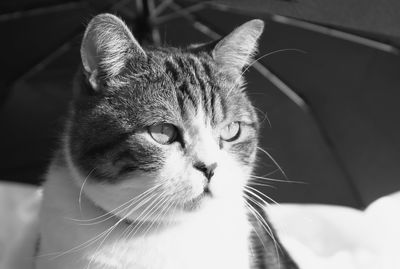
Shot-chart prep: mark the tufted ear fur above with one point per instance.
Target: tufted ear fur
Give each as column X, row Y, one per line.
column 106, row 47
column 235, row 50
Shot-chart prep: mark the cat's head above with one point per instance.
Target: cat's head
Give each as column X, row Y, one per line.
column 167, row 126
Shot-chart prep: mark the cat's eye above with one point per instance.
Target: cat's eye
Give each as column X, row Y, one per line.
column 231, row 132
column 163, row 133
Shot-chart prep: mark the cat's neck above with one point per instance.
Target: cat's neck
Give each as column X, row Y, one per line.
column 219, row 231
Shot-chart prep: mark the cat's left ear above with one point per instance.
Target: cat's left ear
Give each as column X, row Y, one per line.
column 107, row 46
column 236, row 50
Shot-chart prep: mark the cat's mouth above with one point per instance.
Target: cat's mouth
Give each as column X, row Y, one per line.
column 195, row 202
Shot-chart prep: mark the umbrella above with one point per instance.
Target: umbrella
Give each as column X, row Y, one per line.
column 325, row 85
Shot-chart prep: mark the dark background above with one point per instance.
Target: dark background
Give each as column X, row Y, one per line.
column 344, row 148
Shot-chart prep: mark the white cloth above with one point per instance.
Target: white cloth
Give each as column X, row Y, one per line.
column 325, row 236
column 19, row 208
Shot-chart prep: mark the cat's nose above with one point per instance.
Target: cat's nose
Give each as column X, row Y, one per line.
column 207, row 170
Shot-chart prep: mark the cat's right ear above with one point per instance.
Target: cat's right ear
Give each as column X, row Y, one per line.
column 107, row 46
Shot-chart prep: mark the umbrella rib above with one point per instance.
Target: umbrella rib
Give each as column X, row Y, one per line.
column 40, row 65
column 154, row 29
column 178, row 12
column 47, row 60
column 20, row 14
column 282, row 86
column 161, row 7
column 336, row 33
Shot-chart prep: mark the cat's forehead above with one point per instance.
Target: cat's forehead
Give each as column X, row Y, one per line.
column 194, row 82
column 180, row 64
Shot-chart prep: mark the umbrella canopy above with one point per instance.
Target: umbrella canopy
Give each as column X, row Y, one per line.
column 367, row 18
column 327, row 96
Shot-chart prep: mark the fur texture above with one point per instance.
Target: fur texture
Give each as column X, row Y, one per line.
column 158, row 147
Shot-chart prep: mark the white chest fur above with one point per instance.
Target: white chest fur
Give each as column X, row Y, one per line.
column 214, row 237
column 216, row 244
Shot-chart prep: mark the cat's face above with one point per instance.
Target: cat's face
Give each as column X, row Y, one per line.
column 169, row 128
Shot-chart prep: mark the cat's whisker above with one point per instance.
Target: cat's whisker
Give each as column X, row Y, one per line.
column 142, row 203
column 112, row 228
column 262, row 201
column 255, row 183
column 259, row 217
column 97, row 237
column 175, row 209
column 133, row 223
column 260, row 58
column 271, row 173
column 265, row 116
column 81, row 191
column 143, row 199
column 273, row 160
column 74, row 249
column 269, row 54
column 110, row 213
column 262, row 205
column 154, row 214
column 131, row 227
column 266, row 227
column 167, row 211
column 102, row 242
column 164, row 205
column 251, row 190
column 251, row 209
column 140, row 223
column 161, row 214
column 117, row 210
column 122, row 219
column 87, row 243
column 277, row 180
column 152, row 200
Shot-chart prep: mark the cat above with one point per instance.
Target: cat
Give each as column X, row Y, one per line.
column 158, row 147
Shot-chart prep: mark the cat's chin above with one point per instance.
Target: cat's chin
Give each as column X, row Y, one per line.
column 197, row 202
